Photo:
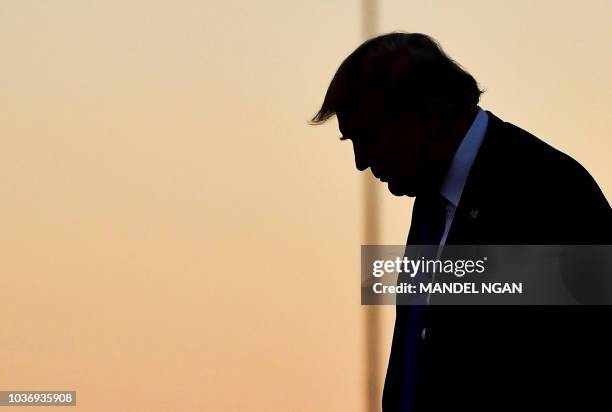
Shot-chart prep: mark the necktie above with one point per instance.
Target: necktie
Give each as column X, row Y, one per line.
column 430, row 218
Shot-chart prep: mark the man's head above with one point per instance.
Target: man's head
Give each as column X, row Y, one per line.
column 404, row 105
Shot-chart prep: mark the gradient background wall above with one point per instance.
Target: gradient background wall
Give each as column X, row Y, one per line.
column 174, row 236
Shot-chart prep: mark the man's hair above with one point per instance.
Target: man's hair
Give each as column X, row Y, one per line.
column 400, row 71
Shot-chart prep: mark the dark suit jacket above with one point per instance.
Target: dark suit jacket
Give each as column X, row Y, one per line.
column 495, row 357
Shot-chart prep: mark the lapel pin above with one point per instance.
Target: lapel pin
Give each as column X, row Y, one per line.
column 474, row 213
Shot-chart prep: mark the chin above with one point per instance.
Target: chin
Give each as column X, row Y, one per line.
column 400, row 190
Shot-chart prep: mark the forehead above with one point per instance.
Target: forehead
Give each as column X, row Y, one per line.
column 359, row 120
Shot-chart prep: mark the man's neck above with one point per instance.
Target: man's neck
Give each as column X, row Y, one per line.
column 459, row 129
column 447, row 142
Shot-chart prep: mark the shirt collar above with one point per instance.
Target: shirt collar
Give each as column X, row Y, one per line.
column 460, row 166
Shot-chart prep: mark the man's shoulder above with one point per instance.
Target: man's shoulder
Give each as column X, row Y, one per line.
column 539, row 184
column 534, row 160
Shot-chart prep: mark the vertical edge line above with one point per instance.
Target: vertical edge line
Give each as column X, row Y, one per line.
column 370, row 10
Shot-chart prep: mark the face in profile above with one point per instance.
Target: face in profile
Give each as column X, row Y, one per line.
column 395, row 148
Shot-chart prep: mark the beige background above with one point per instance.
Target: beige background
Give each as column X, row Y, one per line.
column 174, row 236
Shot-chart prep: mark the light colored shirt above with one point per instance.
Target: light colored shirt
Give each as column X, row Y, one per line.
column 459, row 169
column 457, row 175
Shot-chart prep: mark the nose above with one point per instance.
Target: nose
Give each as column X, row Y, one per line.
column 362, row 157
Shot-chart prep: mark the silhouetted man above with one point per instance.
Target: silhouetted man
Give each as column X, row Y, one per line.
column 413, row 118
